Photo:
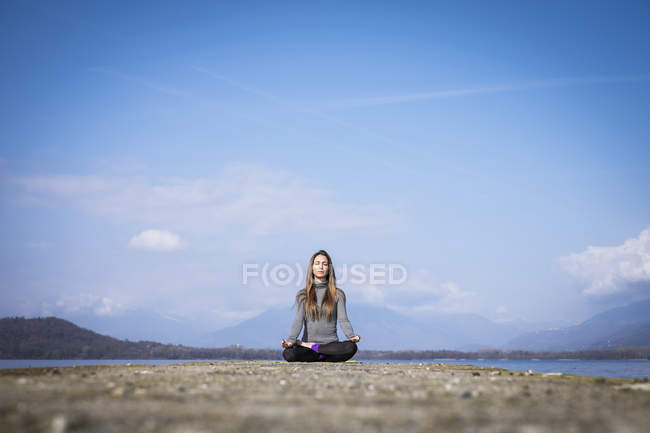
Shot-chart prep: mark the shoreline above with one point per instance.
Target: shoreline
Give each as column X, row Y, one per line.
column 33, row 371
column 631, row 369
column 358, row 359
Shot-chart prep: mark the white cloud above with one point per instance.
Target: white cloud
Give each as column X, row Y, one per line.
column 421, row 293
column 445, row 297
column 158, row 240
column 83, row 302
column 107, row 307
column 371, row 294
column 235, row 316
column 611, row 270
column 249, row 198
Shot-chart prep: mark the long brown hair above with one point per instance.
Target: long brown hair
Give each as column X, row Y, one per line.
column 308, row 294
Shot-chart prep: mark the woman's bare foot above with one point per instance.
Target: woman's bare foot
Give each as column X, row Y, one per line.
column 286, row 344
column 305, row 344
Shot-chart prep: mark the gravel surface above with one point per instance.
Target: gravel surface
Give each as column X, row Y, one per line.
column 270, row 396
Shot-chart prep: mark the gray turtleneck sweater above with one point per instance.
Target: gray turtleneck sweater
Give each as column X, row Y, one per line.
column 321, row 330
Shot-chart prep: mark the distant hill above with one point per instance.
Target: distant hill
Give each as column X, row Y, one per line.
column 142, row 324
column 53, row 338
column 619, row 327
column 637, row 335
column 381, row 329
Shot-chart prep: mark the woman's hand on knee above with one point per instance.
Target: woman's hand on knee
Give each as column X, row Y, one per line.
column 355, row 339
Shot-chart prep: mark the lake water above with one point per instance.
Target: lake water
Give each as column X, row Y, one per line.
column 624, row 369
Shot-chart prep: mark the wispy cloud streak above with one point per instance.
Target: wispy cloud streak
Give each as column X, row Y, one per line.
column 143, row 82
column 210, row 103
column 469, row 91
column 294, row 107
column 248, row 198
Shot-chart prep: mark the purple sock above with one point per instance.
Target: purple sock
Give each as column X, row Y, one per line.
column 315, row 347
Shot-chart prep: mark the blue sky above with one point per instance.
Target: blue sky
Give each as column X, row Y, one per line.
column 498, row 152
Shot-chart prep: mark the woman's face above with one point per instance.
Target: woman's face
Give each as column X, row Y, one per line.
column 320, row 267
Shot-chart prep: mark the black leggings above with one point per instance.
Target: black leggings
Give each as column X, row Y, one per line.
column 336, row 351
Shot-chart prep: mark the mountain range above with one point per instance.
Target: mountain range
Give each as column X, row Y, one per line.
column 55, row 338
column 384, row 329
column 624, row 326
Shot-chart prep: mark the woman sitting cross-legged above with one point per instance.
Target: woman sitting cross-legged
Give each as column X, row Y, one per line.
column 318, row 306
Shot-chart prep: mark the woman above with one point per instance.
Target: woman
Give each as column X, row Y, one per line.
column 318, row 306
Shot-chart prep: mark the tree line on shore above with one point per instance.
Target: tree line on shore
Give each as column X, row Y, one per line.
column 53, row 338
column 612, row 354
